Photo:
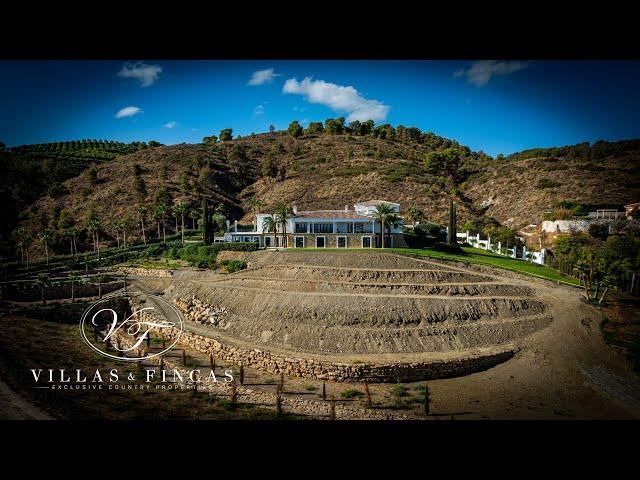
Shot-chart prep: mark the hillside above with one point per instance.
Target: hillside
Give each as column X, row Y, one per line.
column 30, row 172
column 330, row 171
column 516, row 190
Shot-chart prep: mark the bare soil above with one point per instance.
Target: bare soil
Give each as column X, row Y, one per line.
column 563, row 368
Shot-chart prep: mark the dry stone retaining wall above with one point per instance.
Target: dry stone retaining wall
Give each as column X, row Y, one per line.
column 147, row 272
column 338, row 372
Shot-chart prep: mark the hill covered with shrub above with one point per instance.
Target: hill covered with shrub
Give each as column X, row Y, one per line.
column 325, row 166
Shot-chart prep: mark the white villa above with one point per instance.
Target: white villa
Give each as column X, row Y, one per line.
column 348, row 228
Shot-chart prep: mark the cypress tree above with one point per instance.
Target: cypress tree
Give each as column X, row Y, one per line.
column 452, row 237
column 206, row 224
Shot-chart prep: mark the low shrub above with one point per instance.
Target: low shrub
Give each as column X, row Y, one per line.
column 233, row 265
column 399, row 391
column 448, row 248
column 351, row 393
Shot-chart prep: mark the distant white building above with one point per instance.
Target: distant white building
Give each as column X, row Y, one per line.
column 348, row 228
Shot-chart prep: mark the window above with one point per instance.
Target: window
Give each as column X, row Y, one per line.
column 344, row 227
column 299, row 242
column 323, row 228
column 301, row 227
column 237, row 239
column 366, row 242
column 267, row 241
column 246, row 239
column 320, row 242
column 363, row 227
column 342, row 242
column 256, row 240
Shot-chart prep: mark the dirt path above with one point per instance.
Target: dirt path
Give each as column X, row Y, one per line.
column 14, row 407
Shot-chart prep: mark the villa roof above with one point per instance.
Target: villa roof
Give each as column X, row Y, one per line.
column 373, row 203
column 330, row 214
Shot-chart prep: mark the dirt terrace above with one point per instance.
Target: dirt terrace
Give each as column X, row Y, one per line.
column 366, row 307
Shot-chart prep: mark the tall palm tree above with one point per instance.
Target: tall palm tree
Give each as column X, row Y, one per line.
column 19, row 235
column 73, row 278
column 100, row 278
column 283, row 213
column 126, row 226
column 269, row 224
column 256, row 204
column 94, row 227
column 176, row 215
column 393, row 220
column 181, row 209
column 43, row 280
column 45, row 237
column 116, row 225
column 161, row 211
column 72, row 232
column 383, row 211
column 193, row 215
column 142, row 213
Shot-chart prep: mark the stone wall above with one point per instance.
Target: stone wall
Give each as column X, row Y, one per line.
column 338, row 372
column 147, row 272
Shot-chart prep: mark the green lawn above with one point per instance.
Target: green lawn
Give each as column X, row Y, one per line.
column 473, row 256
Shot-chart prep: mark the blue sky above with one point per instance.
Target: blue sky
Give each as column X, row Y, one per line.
column 498, row 106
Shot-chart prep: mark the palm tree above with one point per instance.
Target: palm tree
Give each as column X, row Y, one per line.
column 43, row 280
column 142, row 212
column 415, row 215
column 100, row 278
column 193, row 215
column 176, row 215
column 45, row 237
column 393, row 220
column 383, row 211
column 116, row 226
column 255, row 204
column 94, row 226
column 126, row 226
column 283, row 214
column 161, row 213
column 19, row 236
column 73, row 278
column 181, row 209
column 72, row 233
column 269, row 224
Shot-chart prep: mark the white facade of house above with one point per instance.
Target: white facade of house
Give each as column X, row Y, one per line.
column 349, row 228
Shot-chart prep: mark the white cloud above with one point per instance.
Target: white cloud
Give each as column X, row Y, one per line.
column 128, row 112
column 339, row 98
column 145, row 74
column 170, row 124
column 259, row 110
column 262, row 76
column 480, row 72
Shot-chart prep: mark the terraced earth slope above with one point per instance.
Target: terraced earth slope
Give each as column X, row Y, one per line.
column 366, row 307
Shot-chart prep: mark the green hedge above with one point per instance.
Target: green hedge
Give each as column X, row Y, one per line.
column 205, row 255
